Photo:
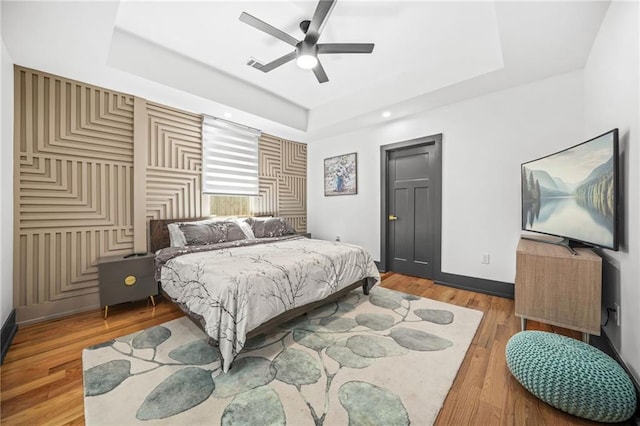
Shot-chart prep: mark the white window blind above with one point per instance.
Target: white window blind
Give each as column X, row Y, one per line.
column 229, row 158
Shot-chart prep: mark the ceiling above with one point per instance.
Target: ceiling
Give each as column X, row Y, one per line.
column 426, row 53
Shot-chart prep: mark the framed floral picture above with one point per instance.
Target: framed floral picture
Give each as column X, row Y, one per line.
column 341, row 175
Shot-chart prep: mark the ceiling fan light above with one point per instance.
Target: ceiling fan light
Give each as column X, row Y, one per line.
column 307, row 62
column 307, row 55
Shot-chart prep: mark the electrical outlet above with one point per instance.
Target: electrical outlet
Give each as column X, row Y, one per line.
column 617, row 313
column 484, row 259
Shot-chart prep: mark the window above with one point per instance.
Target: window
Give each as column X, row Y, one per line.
column 229, row 205
column 229, row 158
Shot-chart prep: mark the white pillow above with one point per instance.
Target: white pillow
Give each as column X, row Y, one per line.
column 246, row 228
column 176, row 237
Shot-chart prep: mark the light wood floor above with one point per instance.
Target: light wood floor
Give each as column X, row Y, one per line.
column 41, row 379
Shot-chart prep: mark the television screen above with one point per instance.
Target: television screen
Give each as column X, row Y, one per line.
column 573, row 193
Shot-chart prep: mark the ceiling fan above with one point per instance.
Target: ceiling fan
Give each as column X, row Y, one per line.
column 306, row 50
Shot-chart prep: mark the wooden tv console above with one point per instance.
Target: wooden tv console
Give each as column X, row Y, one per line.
column 557, row 287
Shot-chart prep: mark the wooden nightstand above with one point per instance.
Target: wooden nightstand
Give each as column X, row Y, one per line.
column 126, row 279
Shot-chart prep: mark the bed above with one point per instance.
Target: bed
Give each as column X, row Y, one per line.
column 241, row 287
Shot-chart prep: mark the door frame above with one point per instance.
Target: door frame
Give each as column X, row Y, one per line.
column 435, row 183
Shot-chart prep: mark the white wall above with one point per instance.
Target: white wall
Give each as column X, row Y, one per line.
column 485, row 139
column 6, row 185
column 612, row 99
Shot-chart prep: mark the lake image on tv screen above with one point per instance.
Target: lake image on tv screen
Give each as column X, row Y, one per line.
column 572, row 193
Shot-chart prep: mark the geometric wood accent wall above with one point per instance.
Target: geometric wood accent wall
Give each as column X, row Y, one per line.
column 73, row 164
column 283, row 180
column 174, row 163
column 81, row 154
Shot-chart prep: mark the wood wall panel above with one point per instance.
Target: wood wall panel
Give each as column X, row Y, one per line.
column 294, row 159
column 174, row 163
column 270, row 149
column 267, row 202
column 73, row 190
column 298, row 222
column 283, row 180
column 292, row 193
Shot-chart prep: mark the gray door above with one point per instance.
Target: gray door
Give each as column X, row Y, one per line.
column 410, row 211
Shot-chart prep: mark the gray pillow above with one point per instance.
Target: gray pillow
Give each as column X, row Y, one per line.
column 204, row 233
column 176, row 237
column 270, row 227
column 211, row 233
column 234, row 232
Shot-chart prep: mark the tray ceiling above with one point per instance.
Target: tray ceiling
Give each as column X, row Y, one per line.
column 426, row 53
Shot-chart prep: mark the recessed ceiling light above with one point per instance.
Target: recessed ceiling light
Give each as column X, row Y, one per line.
column 227, row 114
column 386, row 114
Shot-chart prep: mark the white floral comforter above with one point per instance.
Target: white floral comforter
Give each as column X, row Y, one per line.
column 236, row 289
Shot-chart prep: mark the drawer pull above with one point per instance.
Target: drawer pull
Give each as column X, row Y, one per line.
column 130, row 280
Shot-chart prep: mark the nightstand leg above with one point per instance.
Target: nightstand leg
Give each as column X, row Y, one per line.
column 585, row 338
column 106, row 311
column 153, row 302
column 523, row 324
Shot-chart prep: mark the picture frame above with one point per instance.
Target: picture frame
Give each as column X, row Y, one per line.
column 341, row 175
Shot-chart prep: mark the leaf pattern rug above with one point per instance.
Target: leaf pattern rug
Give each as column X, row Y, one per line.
column 388, row 358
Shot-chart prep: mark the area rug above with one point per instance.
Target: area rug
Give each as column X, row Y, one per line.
column 388, row 358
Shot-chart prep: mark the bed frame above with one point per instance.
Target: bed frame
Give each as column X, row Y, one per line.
column 159, row 238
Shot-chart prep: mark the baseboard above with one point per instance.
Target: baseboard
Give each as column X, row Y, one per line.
column 463, row 282
column 603, row 343
column 31, row 314
column 480, row 285
column 9, row 329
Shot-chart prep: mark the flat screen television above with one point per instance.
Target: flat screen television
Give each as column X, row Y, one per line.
column 573, row 193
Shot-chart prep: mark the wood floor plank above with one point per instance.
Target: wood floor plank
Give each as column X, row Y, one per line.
column 53, row 411
column 69, row 332
column 497, row 373
column 36, row 383
column 41, row 379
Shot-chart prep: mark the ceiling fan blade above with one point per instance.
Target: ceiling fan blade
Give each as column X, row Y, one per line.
column 318, row 70
column 345, row 48
column 267, row 28
column 319, row 20
column 276, row 63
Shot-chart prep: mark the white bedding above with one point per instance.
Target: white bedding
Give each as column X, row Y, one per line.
column 236, row 289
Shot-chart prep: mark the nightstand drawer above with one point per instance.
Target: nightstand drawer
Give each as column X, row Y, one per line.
column 124, row 280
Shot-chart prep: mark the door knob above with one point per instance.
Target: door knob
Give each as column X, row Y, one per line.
column 392, row 217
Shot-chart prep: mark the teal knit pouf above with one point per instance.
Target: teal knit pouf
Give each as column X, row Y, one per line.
column 571, row 376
